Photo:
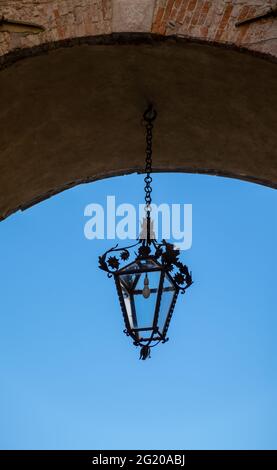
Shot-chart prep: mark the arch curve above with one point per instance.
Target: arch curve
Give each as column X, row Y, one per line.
column 70, row 115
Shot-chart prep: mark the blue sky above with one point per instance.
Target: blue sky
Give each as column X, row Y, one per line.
column 70, row 379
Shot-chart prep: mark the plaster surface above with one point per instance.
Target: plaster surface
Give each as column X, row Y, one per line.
column 73, row 115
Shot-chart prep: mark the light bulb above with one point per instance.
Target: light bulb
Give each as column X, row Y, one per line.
column 146, row 291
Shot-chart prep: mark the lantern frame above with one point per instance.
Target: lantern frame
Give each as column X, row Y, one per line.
column 166, row 261
column 163, row 254
column 156, row 335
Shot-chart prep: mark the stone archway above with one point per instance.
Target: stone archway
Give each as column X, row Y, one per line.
column 210, row 21
column 72, row 114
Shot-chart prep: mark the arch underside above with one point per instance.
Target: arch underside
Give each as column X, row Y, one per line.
column 73, row 115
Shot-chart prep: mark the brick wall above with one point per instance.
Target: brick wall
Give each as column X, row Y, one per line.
column 214, row 20
column 210, row 20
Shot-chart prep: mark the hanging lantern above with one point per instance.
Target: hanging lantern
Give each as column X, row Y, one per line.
column 149, row 285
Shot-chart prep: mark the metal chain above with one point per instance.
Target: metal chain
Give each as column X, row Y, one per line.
column 149, row 116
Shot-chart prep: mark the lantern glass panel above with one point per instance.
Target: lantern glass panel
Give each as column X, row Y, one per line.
column 128, row 301
column 131, row 267
column 166, row 301
column 140, row 310
column 145, row 308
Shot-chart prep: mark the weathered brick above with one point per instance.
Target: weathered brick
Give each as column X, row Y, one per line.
column 182, row 11
column 158, row 20
column 224, row 22
column 246, row 12
column 211, row 20
column 196, row 15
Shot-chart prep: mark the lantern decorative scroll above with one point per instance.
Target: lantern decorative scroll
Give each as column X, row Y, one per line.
column 149, row 285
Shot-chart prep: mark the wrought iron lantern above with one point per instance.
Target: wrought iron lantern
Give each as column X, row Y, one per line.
column 149, row 285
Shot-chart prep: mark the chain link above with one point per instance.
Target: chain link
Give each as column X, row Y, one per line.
column 149, row 116
column 148, row 165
